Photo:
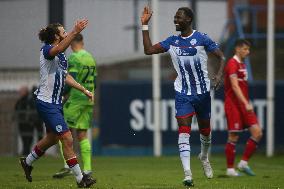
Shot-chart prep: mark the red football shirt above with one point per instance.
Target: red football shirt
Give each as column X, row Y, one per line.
column 237, row 68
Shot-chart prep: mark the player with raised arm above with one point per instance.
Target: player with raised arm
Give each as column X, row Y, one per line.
column 239, row 111
column 78, row 109
column 192, row 85
column 53, row 76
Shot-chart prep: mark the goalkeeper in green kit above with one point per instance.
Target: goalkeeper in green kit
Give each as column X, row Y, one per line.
column 78, row 109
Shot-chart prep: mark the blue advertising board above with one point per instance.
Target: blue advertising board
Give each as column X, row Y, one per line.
column 126, row 114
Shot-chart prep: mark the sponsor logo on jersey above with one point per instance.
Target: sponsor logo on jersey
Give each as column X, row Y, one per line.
column 188, row 51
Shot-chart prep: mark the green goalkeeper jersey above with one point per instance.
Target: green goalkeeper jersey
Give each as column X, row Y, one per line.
column 82, row 66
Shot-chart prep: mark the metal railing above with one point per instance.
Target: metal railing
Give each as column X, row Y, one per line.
column 13, row 79
column 253, row 10
column 239, row 32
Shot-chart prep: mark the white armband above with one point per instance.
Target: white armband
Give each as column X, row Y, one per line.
column 145, row 27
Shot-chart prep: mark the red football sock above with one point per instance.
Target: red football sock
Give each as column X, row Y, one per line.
column 72, row 162
column 230, row 151
column 250, row 149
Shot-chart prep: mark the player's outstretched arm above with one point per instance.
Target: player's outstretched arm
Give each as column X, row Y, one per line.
column 63, row 45
column 149, row 49
column 71, row 82
column 218, row 78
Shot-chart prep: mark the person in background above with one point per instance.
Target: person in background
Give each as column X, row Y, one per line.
column 23, row 110
column 239, row 111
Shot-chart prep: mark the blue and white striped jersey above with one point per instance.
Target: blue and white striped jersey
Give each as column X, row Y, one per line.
column 53, row 71
column 190, row 61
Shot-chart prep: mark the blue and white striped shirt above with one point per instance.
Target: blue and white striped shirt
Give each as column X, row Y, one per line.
column 189, row 58
column 53, row 71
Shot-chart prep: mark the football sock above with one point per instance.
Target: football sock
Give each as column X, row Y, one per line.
column 61, row 152
column 250, row 149
column 85, row 147
column 230, row 151
column 184, row 147
column 34, row 155
column 74, row 166
column 243, row 163
column 205, row 144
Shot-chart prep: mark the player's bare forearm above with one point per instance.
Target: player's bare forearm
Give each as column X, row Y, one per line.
column 237, row 90
column 149, row 49
column 146, row 42
column 73, row 83
column 63, row 45
column 217, row 79
column 222, row 61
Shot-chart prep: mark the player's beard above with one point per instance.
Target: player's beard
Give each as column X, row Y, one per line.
column 178, row 28
column 182, row 26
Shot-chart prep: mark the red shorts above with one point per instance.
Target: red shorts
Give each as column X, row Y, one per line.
column 238, row 118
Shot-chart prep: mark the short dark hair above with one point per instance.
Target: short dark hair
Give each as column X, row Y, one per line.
column 188, row 12
column 47, row 34
column 78, row 38
column 241, row 42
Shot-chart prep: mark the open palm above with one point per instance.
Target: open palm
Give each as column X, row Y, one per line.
column 146, row 15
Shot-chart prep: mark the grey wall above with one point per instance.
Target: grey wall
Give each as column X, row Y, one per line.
column 212, row 17
column 106, row 36
column 20, row 21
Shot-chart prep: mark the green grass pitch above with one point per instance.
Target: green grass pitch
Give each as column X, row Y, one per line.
column 146, row 173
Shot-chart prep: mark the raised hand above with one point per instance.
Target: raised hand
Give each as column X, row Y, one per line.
column 80, row 25
column 146, row 15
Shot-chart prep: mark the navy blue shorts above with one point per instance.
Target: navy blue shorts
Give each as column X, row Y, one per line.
column 52, row 115
column 188, row 105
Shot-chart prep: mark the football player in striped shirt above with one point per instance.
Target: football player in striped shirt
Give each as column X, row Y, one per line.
column 78, row 109
column 192, row 85
column 53, row 76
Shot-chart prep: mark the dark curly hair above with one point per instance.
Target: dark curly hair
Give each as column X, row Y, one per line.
column 47, row 35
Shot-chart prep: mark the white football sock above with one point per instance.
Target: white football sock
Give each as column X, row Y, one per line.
column 205, row 145
column 32, row 157
column 243, row 163
column 77, row 172
column 184, row 150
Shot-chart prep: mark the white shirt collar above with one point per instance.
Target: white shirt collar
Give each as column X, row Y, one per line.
column 189, row 35
column 237, row 59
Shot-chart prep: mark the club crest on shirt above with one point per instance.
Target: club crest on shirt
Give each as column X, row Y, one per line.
column 193, row 41
column 177, row 41
column 58, row 128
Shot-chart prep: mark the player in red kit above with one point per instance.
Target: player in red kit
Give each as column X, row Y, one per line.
column 239, row 111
